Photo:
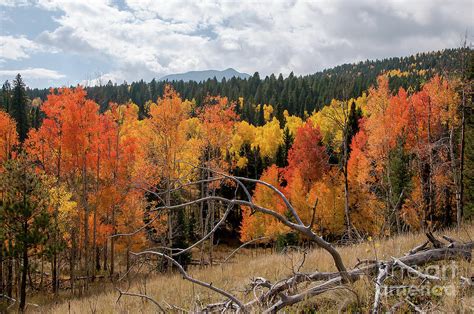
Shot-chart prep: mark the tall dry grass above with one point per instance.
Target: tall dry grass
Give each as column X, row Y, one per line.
column 235, row 276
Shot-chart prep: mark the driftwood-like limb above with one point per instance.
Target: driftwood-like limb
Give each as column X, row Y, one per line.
column 302, row 229
column 220, row 306
column 175, row 307
column 313, row 291
column 418, row 248
column 219, row 223
column 143, row 227
column 144, row 296
column 298, row 226
column 330, row 280
column 14, row 301
column 450, row 240
column 277, row 191
column 240, row 247
column 414, row 271
column 417, row 309
column 436, row 243
column 462, row 251
column 382, row 274
column 9, row 299
column 467, row 281
column 365, row 262
column 285, row 292
column 193, row 280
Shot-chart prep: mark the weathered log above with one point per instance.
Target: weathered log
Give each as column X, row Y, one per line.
column 446, row 253
column 383, row 272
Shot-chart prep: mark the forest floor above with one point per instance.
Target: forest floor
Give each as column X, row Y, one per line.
column 171, row 291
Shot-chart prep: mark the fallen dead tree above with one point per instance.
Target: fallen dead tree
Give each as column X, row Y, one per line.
column 332, row 280
column 272, row 297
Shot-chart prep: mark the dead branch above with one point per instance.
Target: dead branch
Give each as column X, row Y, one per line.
column 12, row 300
column 382, row 274
column 365, row 262
column 284, row 292
column 331, row 280
column 301, row 228
column 240, row 247
column 446, row 253
column 414, row 271
column 144, row 296
column 193, row 280
column 219, row 223
column 436, row 243
column 419, row 248
column 467, row 281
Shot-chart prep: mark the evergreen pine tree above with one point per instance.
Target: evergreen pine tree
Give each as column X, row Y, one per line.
column 468, row 183
column 19, row 107
column 6, row 97
column 399, row 179
column 355, row 114
column 24, row 213
column 282, row 153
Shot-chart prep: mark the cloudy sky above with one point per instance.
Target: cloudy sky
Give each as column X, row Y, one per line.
column 66, row 42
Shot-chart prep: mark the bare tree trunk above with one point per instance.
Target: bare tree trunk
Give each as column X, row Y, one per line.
column 454, row 170
column 204, row 217
column 112, row 244
column 72, row 260
column 128, row 254
column 201, row 219
column 210, row 212
column 170, row 220
column 211, row 225
column 17, row 279
column 9, row 283
column 94, row 227
column 460, row 195
column 114, row 227
column 346, row 197
column 1, row 269
column 349, row 227
column 86, row 221
column 105, row 263
column 42, row 272
column 24, row 270
column 430, row 168
column 97, row 258
column 55, row 269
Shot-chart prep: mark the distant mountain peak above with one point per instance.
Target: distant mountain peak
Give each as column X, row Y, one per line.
column 200, row 76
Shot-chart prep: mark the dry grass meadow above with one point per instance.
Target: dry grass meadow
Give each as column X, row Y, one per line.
column 177, row 295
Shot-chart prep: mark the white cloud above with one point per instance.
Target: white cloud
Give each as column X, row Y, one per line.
column 147, row 38
column 103, row 79
column 33, row 73
column 16, row 48
column 14, row 3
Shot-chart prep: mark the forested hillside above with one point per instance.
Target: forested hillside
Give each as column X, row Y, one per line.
column 184, row 169
column 297, row 94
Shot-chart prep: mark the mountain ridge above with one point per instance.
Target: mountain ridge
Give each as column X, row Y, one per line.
column 204, row 75
column 295, row 93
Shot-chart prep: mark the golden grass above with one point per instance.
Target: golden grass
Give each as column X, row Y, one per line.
column 236, row 275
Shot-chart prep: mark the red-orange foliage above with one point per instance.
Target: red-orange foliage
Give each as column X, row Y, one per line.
column 8, row 136
column 257, row 224
column 307, row 156
column 217, row 118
